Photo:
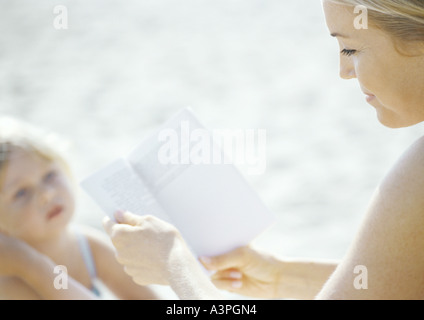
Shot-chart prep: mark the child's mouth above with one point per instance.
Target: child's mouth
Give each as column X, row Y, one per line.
column 57, row 210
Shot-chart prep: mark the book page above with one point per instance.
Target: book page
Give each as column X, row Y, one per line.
column 210, row 203
column 218, row 210
column 145, row 158
column 117, row 187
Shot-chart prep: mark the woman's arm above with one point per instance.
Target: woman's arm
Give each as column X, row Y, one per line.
column 249, row 272
column 153, row 252
column 386, row 260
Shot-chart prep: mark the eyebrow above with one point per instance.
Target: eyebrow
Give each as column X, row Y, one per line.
column 335, row 34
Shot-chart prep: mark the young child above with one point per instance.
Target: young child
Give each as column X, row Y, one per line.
column 43, row 255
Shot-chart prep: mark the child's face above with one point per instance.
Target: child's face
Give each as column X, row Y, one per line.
column 36, row 197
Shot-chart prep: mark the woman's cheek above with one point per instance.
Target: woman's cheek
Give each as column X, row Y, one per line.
column 368, row 76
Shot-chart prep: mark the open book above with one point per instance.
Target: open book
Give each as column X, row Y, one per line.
column 167, row 175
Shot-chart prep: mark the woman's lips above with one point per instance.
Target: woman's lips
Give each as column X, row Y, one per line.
column 369, row 97
column 54, row 212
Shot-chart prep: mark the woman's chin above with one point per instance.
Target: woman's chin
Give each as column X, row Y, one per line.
column 394, row 122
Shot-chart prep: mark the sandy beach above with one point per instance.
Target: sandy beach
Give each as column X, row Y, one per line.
column 123, row 68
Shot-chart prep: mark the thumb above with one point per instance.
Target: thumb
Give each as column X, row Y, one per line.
column 232, row 259
column 126, row 217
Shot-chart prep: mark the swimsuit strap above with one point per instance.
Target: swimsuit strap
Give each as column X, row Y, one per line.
column 87, row 256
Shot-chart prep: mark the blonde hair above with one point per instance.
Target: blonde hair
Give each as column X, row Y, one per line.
column 402, row 19
column 17, row 134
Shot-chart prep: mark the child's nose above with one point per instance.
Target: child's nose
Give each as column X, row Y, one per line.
column 46, row 195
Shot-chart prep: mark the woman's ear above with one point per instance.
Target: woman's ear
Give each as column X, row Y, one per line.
column 410, row 48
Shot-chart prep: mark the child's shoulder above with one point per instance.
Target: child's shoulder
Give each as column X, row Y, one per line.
column 97, row 240
column 92, row 234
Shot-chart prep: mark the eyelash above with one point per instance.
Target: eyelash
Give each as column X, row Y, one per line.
column 348, row 52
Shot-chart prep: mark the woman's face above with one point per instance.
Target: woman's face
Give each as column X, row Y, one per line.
column 392, row 82
column 36, row 197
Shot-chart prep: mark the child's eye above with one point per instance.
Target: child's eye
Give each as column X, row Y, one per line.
column 50, row 176
column 21, row 193
column 348, row 52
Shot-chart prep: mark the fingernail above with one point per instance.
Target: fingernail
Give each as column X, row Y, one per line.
column 236, row 275
column 236, row 284
column 119, row 215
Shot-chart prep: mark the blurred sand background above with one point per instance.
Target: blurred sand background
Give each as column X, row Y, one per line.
column 124, row 67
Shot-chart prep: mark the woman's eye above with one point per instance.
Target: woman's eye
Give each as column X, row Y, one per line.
column 348, row 52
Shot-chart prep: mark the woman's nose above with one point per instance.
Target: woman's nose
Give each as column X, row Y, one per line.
column 347, row 68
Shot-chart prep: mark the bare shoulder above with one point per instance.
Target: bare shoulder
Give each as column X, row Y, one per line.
column 102, row 250
column 12, row 288
column 409, row 168
column 98, row 240
column 389, row 246
column 402, row 189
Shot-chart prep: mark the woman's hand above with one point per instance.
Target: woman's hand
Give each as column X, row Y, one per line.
column 251, row 273
column 146, row 246
column 153, row 252
column 246, row 271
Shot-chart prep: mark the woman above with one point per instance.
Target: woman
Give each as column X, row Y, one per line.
column 386, row 259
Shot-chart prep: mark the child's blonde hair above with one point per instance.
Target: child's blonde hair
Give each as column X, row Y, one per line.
column 402, row 19
column 17, row 134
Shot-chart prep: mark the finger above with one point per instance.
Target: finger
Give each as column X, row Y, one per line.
column 232, row 259
column 228, row 285
column 126, row 217
column 108, row 225
column 144, row 276
column 132, row 271
column 229, row 274
column 121, row 235
column 117, row 232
